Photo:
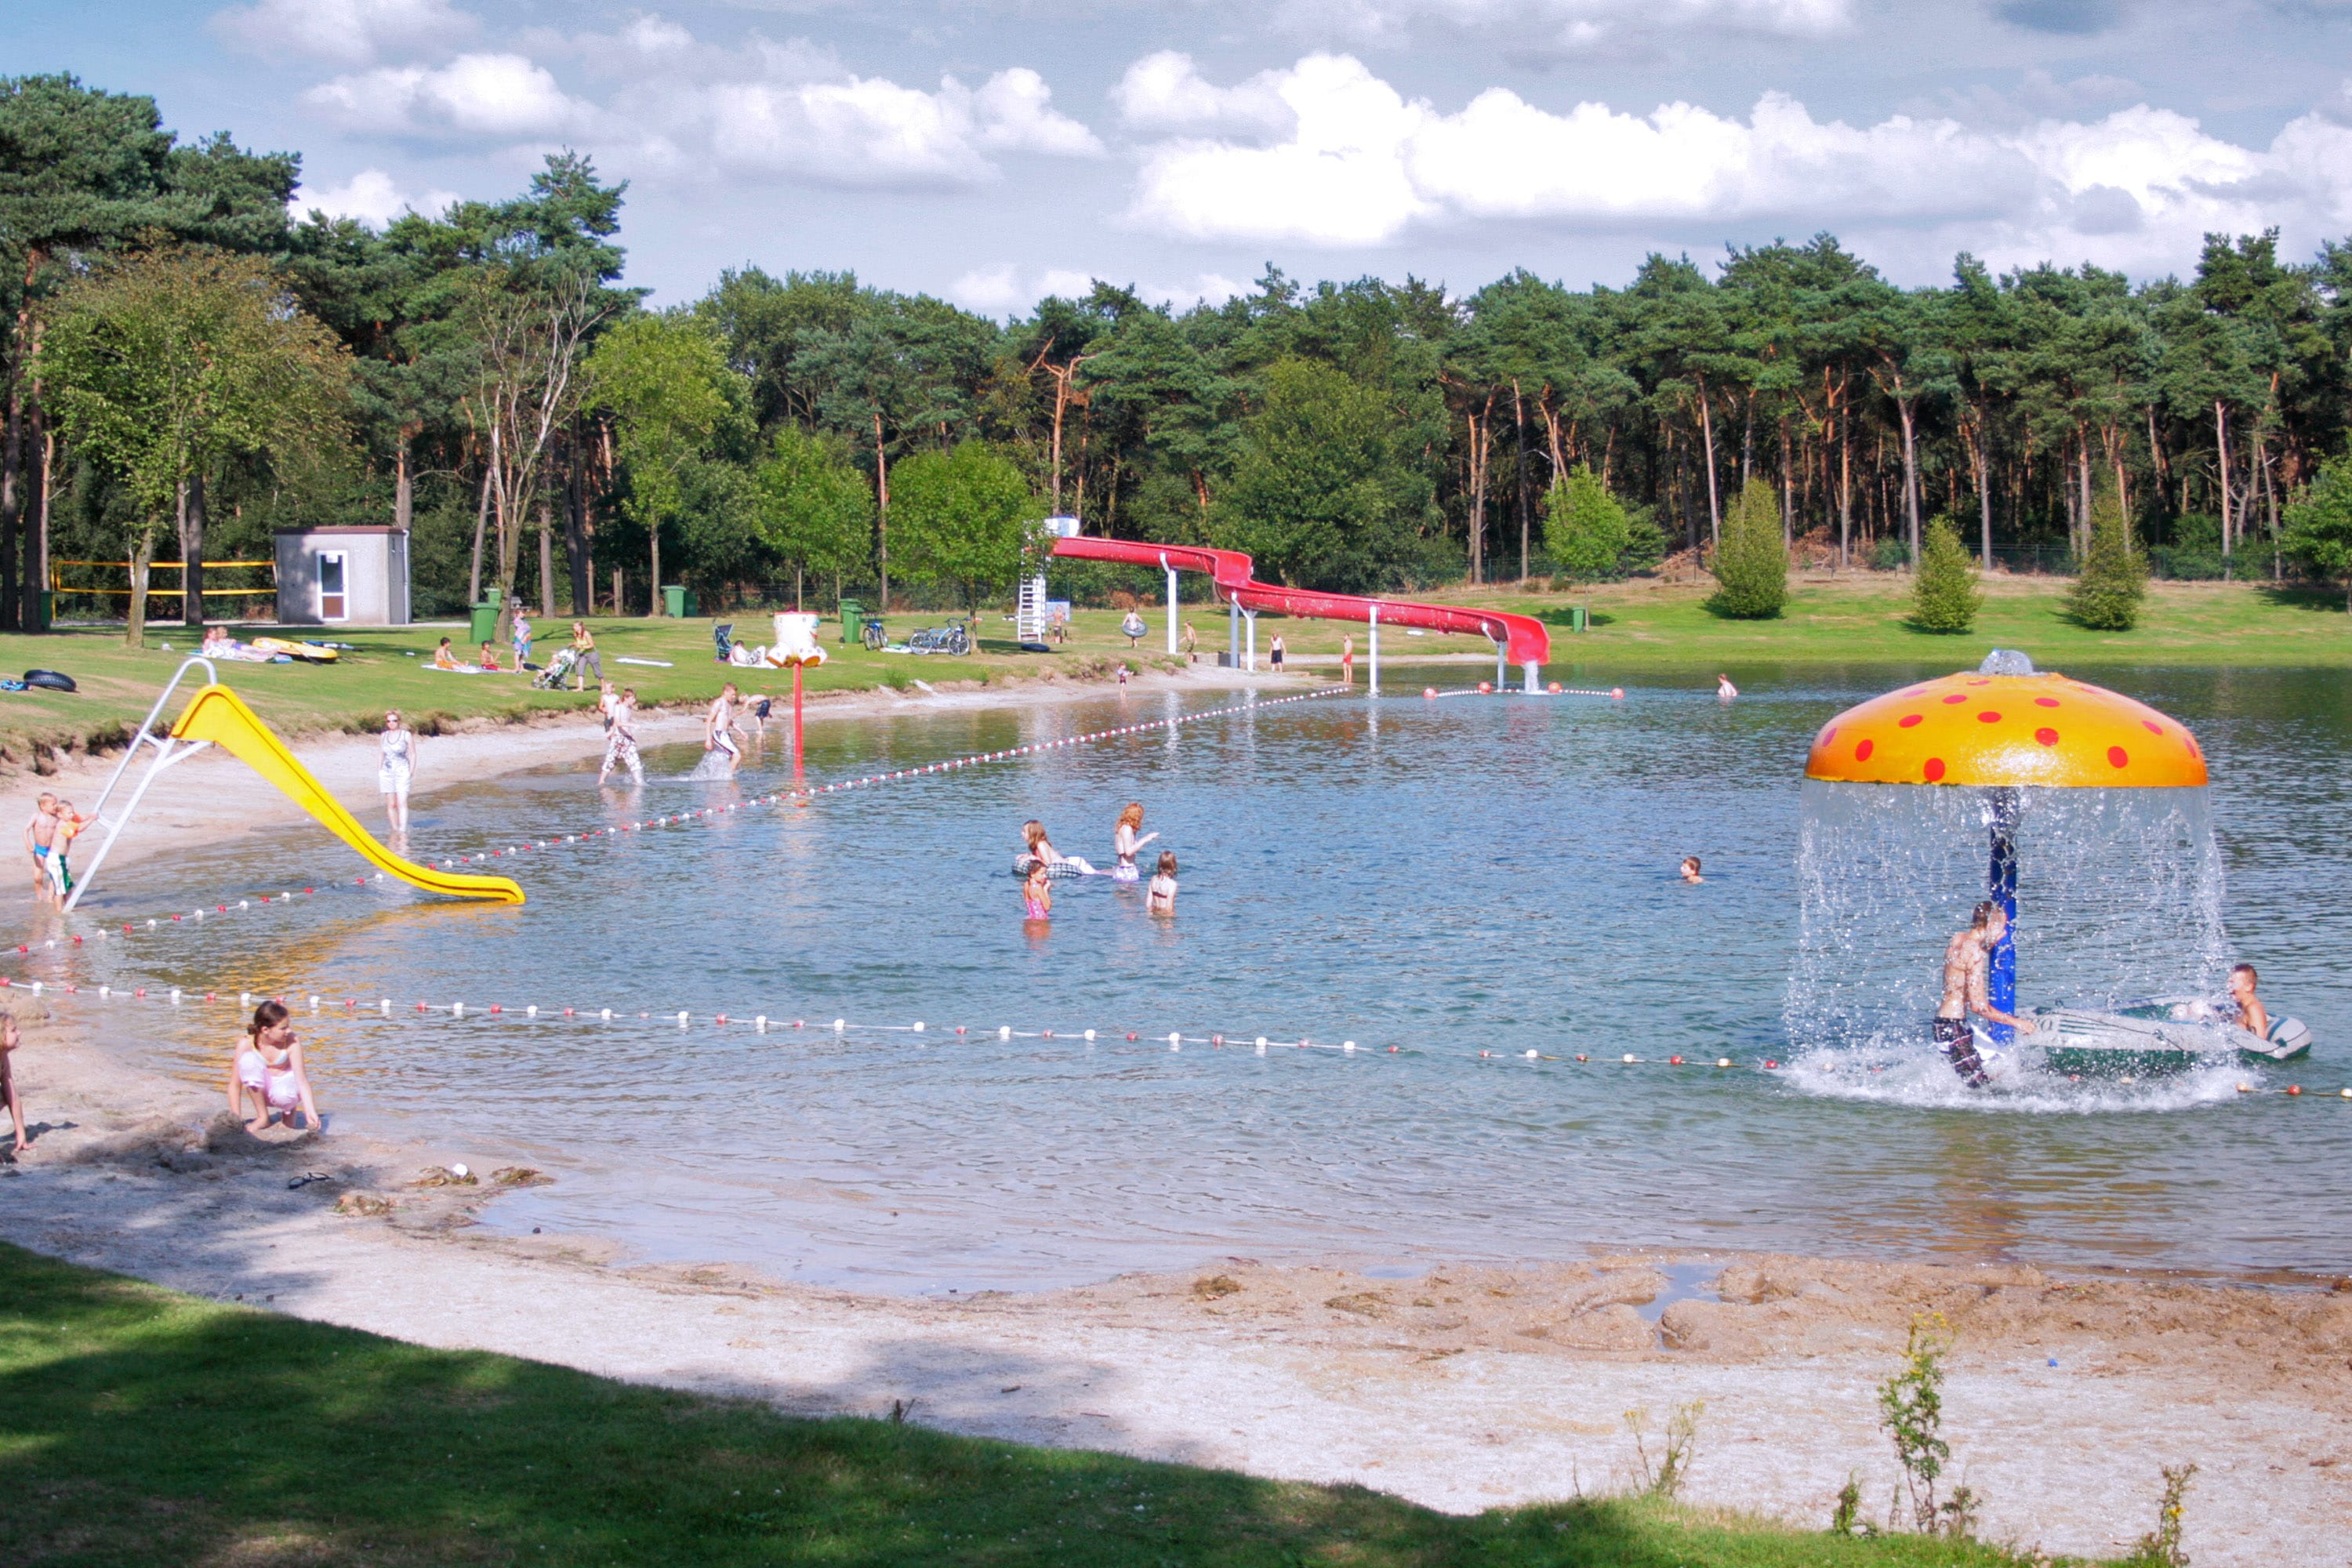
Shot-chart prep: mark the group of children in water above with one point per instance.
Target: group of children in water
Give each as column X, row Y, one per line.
column 47, row 838
column 1039, row 863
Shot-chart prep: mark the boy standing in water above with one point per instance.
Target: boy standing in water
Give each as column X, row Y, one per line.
column 1966, row 958
column 40, row 832
column 2252, row 1016
column 719, row 730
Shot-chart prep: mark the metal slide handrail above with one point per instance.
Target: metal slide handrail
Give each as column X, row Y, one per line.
column 168, row 752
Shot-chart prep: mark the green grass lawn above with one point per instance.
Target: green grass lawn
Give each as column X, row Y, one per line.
column 142, row 1427
column 1643, row 625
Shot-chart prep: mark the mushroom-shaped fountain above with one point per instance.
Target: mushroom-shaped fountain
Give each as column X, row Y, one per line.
column 2101, row 801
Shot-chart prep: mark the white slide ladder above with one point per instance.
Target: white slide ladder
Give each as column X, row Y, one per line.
column 1029, row 611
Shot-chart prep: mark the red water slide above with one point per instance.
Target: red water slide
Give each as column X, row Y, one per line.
column 1523, row 639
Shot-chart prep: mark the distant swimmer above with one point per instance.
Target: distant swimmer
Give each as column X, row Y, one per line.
column 1724, row 689
column 720, row 732
column 1037, row 893
column 1688, row 870
column 2252, row 1016
column 1159, row 898
column 1966, row 958
column 1124, row 843
column 1348, row 660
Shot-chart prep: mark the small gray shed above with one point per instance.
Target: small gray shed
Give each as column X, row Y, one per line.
column 355, row 575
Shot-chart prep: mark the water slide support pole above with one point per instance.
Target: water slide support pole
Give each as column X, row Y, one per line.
column 2001, row 886
column 1252, row 615
column 1374, row 688
column 1502, row 668
column 1172, row 603
column 1233, row 634
column 144, row 737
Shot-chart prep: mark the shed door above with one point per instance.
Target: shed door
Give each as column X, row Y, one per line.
column 331, row 564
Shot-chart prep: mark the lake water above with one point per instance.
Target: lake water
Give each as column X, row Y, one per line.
column 1445, row 877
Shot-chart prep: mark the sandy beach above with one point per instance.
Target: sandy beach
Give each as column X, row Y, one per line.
column 1463, row 1388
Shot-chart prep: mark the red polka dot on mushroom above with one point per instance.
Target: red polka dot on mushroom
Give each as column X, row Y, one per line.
column 1934, row 770
column 2151, row 727
column 1862, row 752
column 1828, row 735
column 1988, row 717
column 2047, row 737
column 1955, row 697
column 2046, row 702
column 2118, row 756
column 1908, row 719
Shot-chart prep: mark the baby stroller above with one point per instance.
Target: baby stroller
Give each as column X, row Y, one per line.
column 551, row 678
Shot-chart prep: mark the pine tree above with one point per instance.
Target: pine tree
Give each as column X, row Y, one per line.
column 2114, row 576
column 1752, row 564
column 1944, row 598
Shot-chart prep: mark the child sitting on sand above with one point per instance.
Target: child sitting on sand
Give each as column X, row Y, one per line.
column 1037, row 893
column 1159, row 898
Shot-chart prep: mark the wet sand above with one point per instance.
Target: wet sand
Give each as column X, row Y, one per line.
column 1463, row 1388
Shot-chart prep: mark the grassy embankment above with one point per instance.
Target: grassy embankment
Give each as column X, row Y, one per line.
column 1642, row 626
column 141, row 1425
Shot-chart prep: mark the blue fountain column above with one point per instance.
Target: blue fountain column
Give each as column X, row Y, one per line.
column 2001, row 886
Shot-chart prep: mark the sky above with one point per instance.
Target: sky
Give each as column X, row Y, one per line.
column 994, row 150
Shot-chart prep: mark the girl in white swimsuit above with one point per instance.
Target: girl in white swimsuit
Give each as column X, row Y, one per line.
column 266, row 1064
column 394, row 770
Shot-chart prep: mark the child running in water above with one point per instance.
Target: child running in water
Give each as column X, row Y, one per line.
column 1124, row 843
column 620, row 740
column 1037, row 893
column 1159, row 898
column 720, row 732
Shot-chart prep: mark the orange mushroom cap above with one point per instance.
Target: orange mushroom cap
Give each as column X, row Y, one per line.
column 1992, row 730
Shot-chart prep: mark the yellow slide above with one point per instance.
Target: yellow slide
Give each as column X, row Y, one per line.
column 219, row 715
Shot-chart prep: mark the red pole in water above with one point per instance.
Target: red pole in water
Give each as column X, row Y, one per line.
column 796, row 723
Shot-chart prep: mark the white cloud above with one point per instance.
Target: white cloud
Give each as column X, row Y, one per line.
column 370, row 196
column 496, row 96
column 1579, row 23
column 1167, row 92
column 1009, row 289
column 1360, row 164
column 866, row 131
column 344, row 32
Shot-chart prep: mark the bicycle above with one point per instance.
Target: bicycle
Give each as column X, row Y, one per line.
column 954, row 637
column 873, row 636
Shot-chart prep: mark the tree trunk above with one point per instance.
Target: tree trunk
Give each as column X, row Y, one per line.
column 1788, row 492
column 653, row 589
column 1519, row 461
column 1910, row 470
column 481, row 528
column 2221, row 449
column 881, row 519
column 404, row 479
column 134, row 630
column 37, row 536
column 1480, row 443
column 1980, row 462
column 575, row 531
column 1714, row 506
column 546, row 559
column 192, row 554
column 12, row 490
column 1845, row 492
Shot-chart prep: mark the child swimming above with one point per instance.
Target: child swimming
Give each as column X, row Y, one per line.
column 1688, row 870
column 1037, row 893
column 1159, row 898
column 1124, row 844
column 1041, row 851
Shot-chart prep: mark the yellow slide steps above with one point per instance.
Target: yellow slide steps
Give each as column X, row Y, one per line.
column 219, row 715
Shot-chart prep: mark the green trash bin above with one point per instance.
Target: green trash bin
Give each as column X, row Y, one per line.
column 676, row 602
column 853, row 615
column 486, row 625
column 1576, row 618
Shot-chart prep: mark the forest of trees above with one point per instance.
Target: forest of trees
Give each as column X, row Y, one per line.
column 486, row 378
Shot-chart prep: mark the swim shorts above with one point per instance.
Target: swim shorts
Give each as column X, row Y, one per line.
column 1957, row 1041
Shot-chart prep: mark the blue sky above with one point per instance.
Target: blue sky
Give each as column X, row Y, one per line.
column 993, row 149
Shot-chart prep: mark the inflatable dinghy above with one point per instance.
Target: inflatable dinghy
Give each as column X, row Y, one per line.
column 2158, row 1037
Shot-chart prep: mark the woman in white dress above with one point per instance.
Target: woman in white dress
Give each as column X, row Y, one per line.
column 396, row 766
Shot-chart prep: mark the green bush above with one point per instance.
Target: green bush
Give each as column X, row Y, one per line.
column 1945, row 597
column 2319, row 525
column 1585, row 529
column 1751, row 564
column 1890, row 554
column 1646, row 543
column 2108, row 592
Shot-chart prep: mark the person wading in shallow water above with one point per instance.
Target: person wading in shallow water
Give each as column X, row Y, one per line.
column 1968, row 957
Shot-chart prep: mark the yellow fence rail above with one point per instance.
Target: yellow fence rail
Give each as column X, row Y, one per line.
column 58, row 583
